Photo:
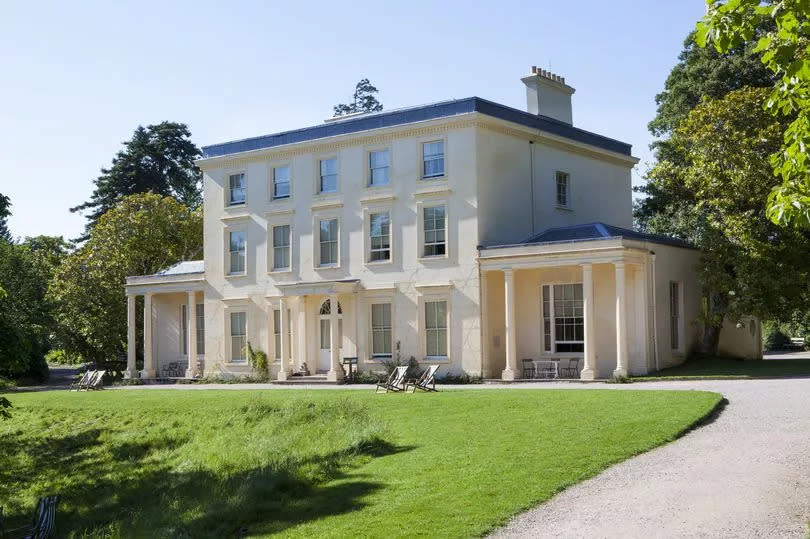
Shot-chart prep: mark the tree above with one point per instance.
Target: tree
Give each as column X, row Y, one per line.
column 158, row 159
column 142, row 234
column 711, row 189
column 786, row 52
column 5, row 213
column 363, row 100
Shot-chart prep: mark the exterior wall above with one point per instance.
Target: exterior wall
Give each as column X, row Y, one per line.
column 679, row 265
column 600, row 189
column 167, row 340
column 741, row 341
column 405, row 274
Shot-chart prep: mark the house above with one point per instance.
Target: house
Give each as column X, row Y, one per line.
column 464, row 233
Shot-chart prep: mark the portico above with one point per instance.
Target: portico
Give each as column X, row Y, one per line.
column 585, row 300
column 173, row 322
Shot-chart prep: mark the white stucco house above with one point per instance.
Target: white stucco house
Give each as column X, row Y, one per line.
column 464, row 233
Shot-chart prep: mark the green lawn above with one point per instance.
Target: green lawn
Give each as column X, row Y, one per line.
column 162, row 463
column 733, row 368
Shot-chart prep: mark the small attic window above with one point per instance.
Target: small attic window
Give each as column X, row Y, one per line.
column 563, row 181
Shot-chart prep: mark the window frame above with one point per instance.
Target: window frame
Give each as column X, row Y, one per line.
column 319, row 177
column 421, row 205
column 277, row 333
column 184, row 329
column 316, row 244
column 567, row 175
column 371, row 328
column 199, row 313
column 422, row 144
column 227, row 250
column 271, row 191
column 271, row 246
column 552, row 351
column 227, row 184
column 368, row 212
column 242, row 309
column 429, row 294
column 676, row 326
column 369, row 169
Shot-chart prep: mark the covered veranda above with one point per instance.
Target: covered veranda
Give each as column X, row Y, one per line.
column 578, row 308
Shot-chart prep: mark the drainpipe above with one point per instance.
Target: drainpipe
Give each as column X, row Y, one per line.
column 531, row 179
column 655, row 312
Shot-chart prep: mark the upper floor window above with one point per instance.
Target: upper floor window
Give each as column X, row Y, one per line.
column 328, row 242
column 433, row 159
column 563, row 189
column 281, row 182
column 563, row 318
column 380, row 236
column 378, row 168
column 236, row 248
column 328, row 176
column 236, row 189
column 281, row 247
column 435, row 227
column 238, row 336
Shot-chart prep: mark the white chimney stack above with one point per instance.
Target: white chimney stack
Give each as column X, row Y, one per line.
column 548, row 95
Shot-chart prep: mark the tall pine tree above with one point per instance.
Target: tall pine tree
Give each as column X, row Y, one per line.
column 5, row 212
column 158, row 159
column 363, row 100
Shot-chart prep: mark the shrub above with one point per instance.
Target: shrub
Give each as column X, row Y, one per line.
column 369, row 377
column 462, row 378
column 775, row 338
column 619, row 379
column 63, row 357
column 258, row 360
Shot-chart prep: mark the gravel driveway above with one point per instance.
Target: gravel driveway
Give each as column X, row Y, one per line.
column 747, row 474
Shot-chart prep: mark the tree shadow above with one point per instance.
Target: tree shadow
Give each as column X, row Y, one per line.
column 131, row 493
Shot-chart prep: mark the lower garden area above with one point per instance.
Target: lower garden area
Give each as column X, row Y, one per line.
column 154, row 463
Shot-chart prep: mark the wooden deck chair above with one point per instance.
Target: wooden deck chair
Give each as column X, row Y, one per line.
column 43, row 524
column 98, row 382
column 78, row 384
column 395, row 382
column 426, row 380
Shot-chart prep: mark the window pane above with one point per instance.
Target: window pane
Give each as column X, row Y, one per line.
column 236, row 189
column 200, row 328
column 329, row 175
column 433, row 158
column 380, row 237
column 184, row 329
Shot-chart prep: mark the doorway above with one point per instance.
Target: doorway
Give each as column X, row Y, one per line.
column 325, row 334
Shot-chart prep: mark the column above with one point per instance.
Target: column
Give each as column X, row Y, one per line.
column 621, row 322
column 511, row 336
column 148, row 360
column 132, row 369
column 335, row 373
column 589, row 361
column 191, row 312
column 283, row 369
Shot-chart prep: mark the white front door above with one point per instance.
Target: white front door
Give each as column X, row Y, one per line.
column 324, row 338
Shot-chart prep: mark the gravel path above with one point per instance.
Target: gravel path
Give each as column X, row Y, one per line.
column 747, row 474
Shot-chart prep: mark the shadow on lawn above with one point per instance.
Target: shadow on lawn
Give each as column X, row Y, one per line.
column 122, row 496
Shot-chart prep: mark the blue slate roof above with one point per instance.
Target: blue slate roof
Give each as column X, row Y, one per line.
column 433, row 111
column 187, row 266
column 596, row 231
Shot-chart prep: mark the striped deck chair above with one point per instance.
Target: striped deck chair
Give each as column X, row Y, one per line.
column 426, row 380
column 97, row 382
column 42, row 525
column 82, row 382
column 395, row 382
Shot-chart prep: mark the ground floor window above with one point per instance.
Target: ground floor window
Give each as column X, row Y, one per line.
column 238, row 336
column 563, row 318
column 184, row 330
column 436, row 328
column 200, row 314
column 200, row 328
column 381, row 330
column 674, row 315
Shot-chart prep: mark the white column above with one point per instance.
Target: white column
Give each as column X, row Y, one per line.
column 191, row 312
column 148, row 360
column 283, row 369
column 621, row 322
column 511, row 336
column 132, row 369
column 589, row 361
column 335, row 373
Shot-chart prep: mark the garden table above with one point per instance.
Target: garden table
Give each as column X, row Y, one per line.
column 544, row 367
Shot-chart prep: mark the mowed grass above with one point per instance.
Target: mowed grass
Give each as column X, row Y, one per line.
column 162, row 463
column 734, row 368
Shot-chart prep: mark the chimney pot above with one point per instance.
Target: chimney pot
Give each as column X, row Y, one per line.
column 546, row 99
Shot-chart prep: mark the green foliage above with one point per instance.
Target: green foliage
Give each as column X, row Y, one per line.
column 715, row 367
column 785, row 50
column 339, row 463
column 157, row 159
column 619, row 379
column 57, row 356
column 5, row 404
column 5, row 213
column 363, row 100
column 775, row 339
column 391, row 364
column 462, row 378
column 141, row 235
column 369, row 377
column 258, row 360
column 710, row 187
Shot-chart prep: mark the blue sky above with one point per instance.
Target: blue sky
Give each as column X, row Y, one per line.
column 78, row 77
